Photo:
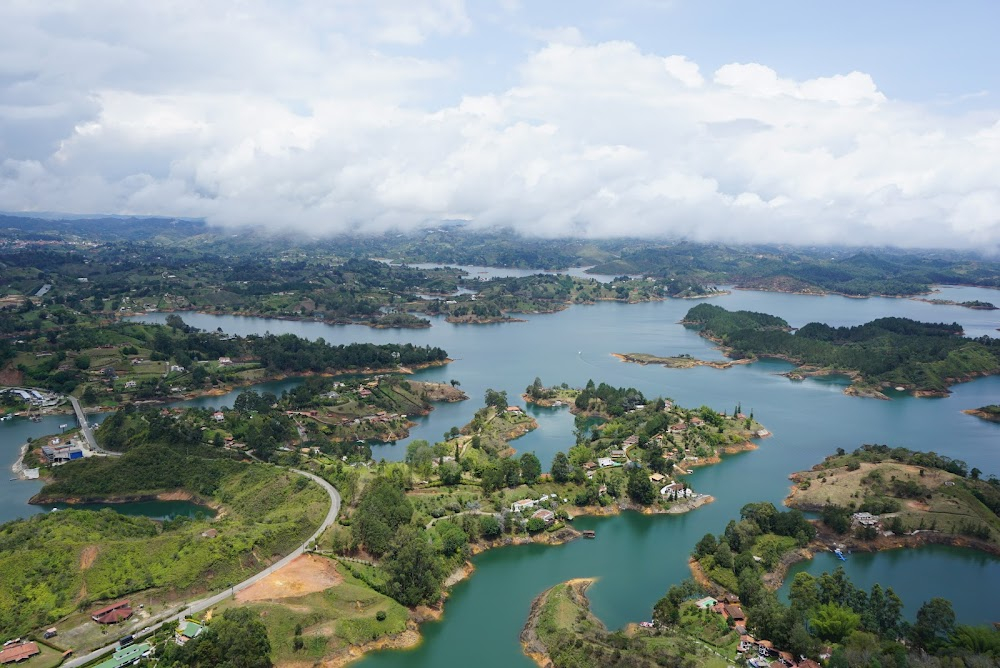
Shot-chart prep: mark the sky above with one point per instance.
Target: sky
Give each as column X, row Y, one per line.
column 865, row 123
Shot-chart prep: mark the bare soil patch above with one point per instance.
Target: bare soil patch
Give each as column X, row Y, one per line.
column 305, row 575
column 87, row 557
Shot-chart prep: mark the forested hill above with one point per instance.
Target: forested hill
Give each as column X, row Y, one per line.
column 887, row 351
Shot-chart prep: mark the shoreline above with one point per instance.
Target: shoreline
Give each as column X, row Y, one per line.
column 679, row 362
column 803, row 371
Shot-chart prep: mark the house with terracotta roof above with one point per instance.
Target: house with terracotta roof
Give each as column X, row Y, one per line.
column 18, row 652
column 112, row 614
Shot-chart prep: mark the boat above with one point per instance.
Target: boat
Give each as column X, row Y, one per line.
column 900, row 388
column 589, row 534
column 840, row 554
column 64, row 425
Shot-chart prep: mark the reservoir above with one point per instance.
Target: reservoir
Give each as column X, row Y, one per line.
column 636, row 557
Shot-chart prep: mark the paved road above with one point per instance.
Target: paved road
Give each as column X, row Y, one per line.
column 85, row 428
column 202, row 604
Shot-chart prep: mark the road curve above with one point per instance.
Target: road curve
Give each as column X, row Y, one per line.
column 202, row 604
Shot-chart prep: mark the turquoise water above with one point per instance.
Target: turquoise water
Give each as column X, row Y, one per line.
column 637, row 557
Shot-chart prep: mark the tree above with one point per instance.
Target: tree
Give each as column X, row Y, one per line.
column 454, row 383
column 498, row 400
column 451, row 473
column 413, row 568
column 531, row 468
column 89, row 397
column 489, row 526
column 705, row 546
column 833, row 622
column 561, row 469
column 535, row 524
column 453, row 538
column 935, row 623
column 237, row 639
column 82, row 362
column 382, row 509
column 420, row 455
column 640, row 488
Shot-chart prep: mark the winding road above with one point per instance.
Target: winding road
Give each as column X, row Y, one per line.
column 201, row 604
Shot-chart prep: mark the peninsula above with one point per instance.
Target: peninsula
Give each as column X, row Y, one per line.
column 927, row 357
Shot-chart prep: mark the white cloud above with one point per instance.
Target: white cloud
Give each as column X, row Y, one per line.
column 316, row 118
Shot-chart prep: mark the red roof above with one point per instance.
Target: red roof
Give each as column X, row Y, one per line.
column 20, row 652
column 114, row 616
column 108, row 608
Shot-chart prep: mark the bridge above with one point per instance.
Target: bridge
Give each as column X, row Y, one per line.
column 87, row 431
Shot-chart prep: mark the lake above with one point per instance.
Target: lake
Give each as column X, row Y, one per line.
column 635, row 557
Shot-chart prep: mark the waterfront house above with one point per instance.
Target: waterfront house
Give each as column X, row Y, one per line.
column 513, row 409
column 865, row 519
column 523, row 504
column 545, row 515
column 765, row 648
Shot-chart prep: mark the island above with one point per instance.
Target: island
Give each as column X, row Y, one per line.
column 975, row 304
column 927, row 358
column 989, row 413
column 682, row 361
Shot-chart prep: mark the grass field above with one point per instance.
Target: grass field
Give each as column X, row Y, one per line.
column 927, row 498
column 329, row 621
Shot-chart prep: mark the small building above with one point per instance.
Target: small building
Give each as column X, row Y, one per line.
column 617, row 454
column 126, row 656
column 747, row 643
column 114, row 613
column 225, row 361
column 513, row 409
column 677, row 428
column 218, row 416
column 129, row 384
column 589, row 466
column 209, row 533
column 188, row 630
column 602, row 490
column 865, row 519
column 735, row 613
column 631, row 440
column 523, row 504
column 786, row 658
column 50, row 633
column 605, row 462
column 765, row 648
column 657, row 477
column 545, row 515
column 697, row 421
column 18, row 652
column 676, row 489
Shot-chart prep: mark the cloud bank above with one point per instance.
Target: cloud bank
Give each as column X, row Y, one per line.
column 326, row 118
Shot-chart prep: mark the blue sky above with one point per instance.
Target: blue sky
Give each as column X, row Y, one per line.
column 876, row 123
